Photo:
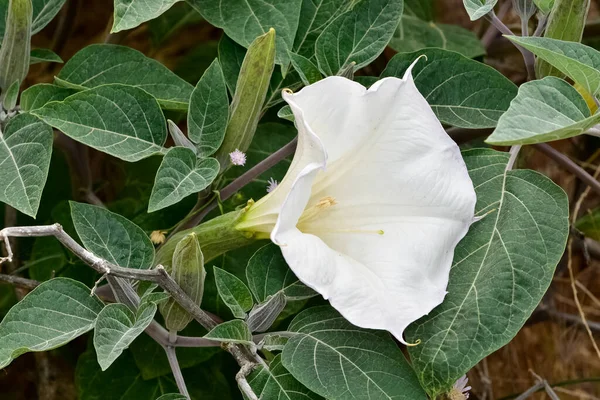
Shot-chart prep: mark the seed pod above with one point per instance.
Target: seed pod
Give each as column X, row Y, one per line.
column 566, row 22
column 187, row 269
column 16, row 46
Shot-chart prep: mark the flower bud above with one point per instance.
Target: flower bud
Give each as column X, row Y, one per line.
column 187, row 269
column 16, row 45
column 249, row 98
column 264, row 314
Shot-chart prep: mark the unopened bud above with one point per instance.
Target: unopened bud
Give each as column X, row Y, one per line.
column 187, row 269
column 16, row 45
column 264, row 314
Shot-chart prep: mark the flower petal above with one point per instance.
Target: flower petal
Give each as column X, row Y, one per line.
column 398, row 199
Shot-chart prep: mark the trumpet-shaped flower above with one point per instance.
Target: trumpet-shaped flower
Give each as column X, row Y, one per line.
column 375, row 201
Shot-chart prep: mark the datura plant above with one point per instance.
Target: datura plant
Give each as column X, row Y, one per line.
column 285, row 213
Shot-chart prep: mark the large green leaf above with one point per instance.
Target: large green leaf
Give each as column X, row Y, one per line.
column 231, row 57
column 209, row 111
column 337, row 360
column 577, row 61
column 414, row 34
column 233, row 292
column 245, row 20
column 38, row 95
column 117, row 327
column 171, row 21
column 275, row 382
column 181, row 174
column 268, row 273
column 112, row 237
column 131, row 13
column 358, row 35
column 122, row 381
column 51, row 315
column 101, row 64
column 123, row 121
column 25, row 151
column 501, row 270
column 43, row 12
column 479, row 8
column 461, row 92
column 315, row 16
column 544, row 110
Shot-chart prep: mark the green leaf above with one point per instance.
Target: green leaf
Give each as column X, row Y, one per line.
column 309, row 73
column 501, row 270
column 577, row 61
column 234, row 331
column 25, row 151
column 358, row 35
column 249, row 97
column 479, row 8
column 47, row 260
column 43, row 12
column 112, row 237
column 44, row 55
column 268, row 273
column 544, row 110
column 589, row 224
column 461, row 92
column 123, row 380
column 38, row 95
column 315, row 16
column 275, row 382
column 209, row 111
column 286, row 113
column 180, row 174
column 244, row 21
column 234, row 292
column 335, row 359
column 123, row 121
column 51, row 315
column 117, row 327
column 101, row 64
column 130, row 14
column 171, row 21
column 414, row 34
column 422, row 9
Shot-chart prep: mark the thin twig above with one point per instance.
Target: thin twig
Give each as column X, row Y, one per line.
column 158, row 275
column 172, row 357
column 535, row 388
column 541, row 26
column 569, row 165
column 514, row 153
column 527, row 55
column 492, row 32
column 19, row 282
column 240, row 377
column 575, row 319
column 580, row 201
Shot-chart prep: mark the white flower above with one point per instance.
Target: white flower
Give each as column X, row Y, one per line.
column 272, row 185
column 237, row 157
column 374, row 203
